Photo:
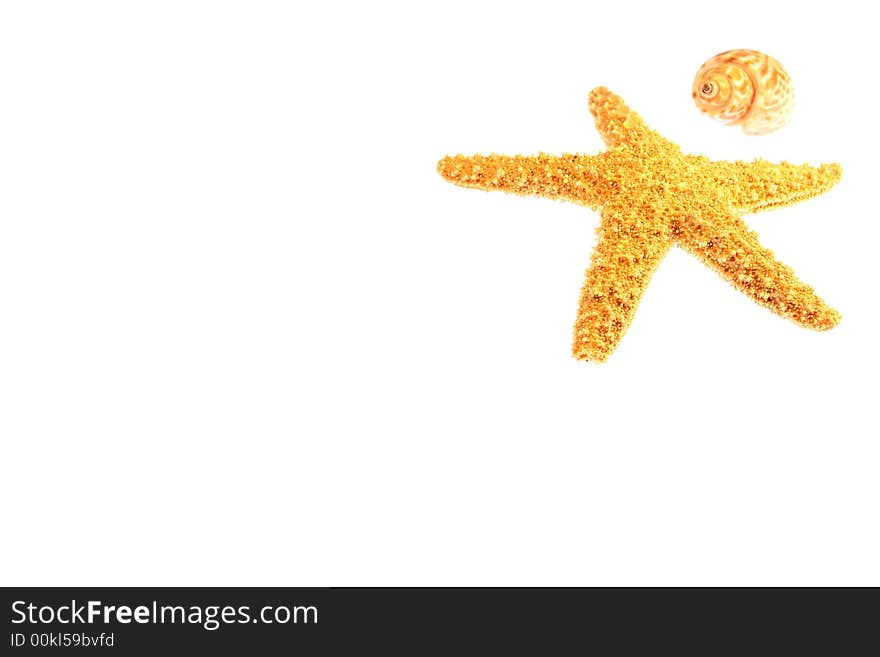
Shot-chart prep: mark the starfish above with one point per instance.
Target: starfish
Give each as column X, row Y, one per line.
column 652, row 196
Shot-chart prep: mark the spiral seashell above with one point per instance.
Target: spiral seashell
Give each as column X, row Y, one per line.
column 745, row 88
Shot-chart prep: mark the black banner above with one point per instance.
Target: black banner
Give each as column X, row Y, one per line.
column 141, row 621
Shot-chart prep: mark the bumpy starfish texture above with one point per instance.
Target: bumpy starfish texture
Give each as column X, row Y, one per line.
column 651, row 196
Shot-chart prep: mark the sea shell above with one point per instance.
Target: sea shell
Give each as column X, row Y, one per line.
column 745, row 88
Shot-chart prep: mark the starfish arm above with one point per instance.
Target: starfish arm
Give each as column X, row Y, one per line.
column 619, row 125
column 731, row 249
column 762, row 185
column 575, row 178
column 629, row 250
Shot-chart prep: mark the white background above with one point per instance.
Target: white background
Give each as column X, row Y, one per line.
column 249, row 336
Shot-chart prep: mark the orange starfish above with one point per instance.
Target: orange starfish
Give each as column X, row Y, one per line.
column 652, row 196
